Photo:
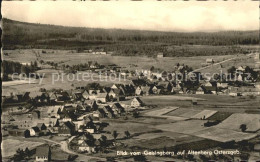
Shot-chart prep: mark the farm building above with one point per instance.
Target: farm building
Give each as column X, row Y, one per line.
column 137, row 102
column 138, row 91
column 66, row 129
column 209, row 61
column 102, row 97
column 160, row 55
column 43, row 153
column 200, row 90
column 86, row 146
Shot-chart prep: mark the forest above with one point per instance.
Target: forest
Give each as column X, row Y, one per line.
column 10, row 67
column 123, row 42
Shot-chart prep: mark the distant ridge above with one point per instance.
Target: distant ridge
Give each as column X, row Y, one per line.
column 18, row 34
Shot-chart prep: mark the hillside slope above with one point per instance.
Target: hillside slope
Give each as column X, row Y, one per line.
column 124, row 42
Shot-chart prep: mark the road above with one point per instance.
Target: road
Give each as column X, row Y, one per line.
column 65, row 148
column 248, row 55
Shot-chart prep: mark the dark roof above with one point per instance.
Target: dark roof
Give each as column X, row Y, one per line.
column 36, row 129
column 138, row 99
column 117, row 91
column 69, row 124
column 101, row 111
column 106, row 89
column 43, row 151
column 139, row 82
column 117, row 105
column 39, row 125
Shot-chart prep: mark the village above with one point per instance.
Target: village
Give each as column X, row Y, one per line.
column 84, row 120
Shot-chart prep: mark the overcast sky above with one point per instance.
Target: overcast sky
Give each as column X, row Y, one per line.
column 151, row 15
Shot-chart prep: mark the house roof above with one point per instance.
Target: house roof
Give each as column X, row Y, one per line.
column 139, row 82
column 138, row 99
column 54, row 109
column 47, row 121
column 102, row 95
column 89, row 102
column 35, row 94
column 39, row 125
column 117, row 105
column 86, row 144
column 107, row 89
column 97, row 136
column 101, row 111
column 117, row 85
column 69, row 124
column 42, row 151
column 36, row 129
column 146, row 88
column 117, row 91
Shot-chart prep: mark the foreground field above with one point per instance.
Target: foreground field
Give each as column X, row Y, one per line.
column 9, row 146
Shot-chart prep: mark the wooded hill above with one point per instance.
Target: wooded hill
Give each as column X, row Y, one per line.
column 123, row 42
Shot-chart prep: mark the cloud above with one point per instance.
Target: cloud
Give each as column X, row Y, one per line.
column 152, row 15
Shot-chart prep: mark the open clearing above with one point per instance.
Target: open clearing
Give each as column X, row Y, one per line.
column 69, row 58
column 9, row 146
column 224, row 135
column 252, row 122
column 180, row 113
column 17, row 82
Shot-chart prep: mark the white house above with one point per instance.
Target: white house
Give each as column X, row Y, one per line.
column 136, row 102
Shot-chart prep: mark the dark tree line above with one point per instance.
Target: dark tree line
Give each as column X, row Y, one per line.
column 10, row 67
column 28, row 35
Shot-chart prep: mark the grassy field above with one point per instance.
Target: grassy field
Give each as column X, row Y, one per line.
column 9, row 146
column 221, row 103
column 129, row 62
column 55, row 79
column 67, row 57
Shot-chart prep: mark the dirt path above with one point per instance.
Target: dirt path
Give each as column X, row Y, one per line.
column 219, row 63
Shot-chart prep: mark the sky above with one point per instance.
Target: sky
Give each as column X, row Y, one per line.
column 143, row 15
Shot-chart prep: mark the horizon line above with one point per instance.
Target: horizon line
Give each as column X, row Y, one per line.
column 149, row 30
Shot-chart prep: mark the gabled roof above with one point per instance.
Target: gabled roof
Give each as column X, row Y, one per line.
column 107, row 109
column 117, row 105
column 54, row 109
column 200, row 89
column 36, row 129
column 164, row 84
column 43, row 151
column 39, row 125
column 107, row 89
column 138, row 99
column 89, row 102
column 139, row 82
column 146, row 88
column 97, row 136
column 85, row 92
column 117, row 85
column 208, row 84
column 102, row 95
column 69, row 124
column 101, row 111
column 86, row 144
